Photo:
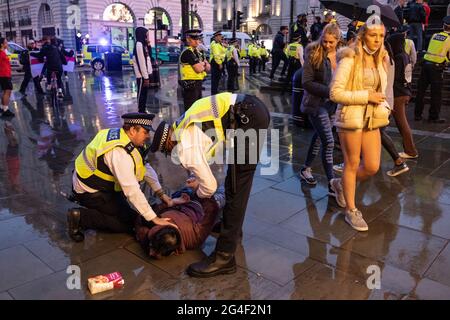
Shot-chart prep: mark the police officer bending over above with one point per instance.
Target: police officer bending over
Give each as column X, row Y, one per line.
column 193, row 68
column 194, row 148
column 107, row 174
column 438, row 54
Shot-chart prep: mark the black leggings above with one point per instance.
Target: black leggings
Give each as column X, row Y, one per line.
column 388, row 144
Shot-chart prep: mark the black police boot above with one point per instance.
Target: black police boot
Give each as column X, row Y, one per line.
column 73, row 224
column 217, row 263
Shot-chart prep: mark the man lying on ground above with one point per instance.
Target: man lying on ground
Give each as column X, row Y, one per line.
column 194, row 217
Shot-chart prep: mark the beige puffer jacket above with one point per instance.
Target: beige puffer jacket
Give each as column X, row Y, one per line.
column 347, row 92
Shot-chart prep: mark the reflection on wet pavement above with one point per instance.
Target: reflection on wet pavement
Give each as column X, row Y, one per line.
column 296, row 244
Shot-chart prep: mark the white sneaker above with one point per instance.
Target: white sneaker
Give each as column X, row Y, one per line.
column 338, row 192
column 404, row 155
column 355, row 220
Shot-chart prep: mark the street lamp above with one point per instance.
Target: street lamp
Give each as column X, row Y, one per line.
column 9, row 19
column 193, row 13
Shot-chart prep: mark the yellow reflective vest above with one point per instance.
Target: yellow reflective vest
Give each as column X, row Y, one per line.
column 207, row 109
column 408, row 46
column 263, row 52
column 254, row 51
column 217, row 52
column 292, row 50
column 90, row 165
column 439, row 47
column 187, row 72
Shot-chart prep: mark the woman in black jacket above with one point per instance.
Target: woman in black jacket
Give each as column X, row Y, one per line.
column 320, row 63
column 402, row 93
column 142, row 66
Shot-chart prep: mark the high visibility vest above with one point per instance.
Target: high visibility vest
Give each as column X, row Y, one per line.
column 254, row 51
column 90, row 165
column 263, row 52
column 229, row 53
column 408, row 46
column 438, row 48
column 286, row 51
column 217, row 52
column 250, row 49
column 292, row 50
column 187, row 72
column 242, row 53
column 213, row 109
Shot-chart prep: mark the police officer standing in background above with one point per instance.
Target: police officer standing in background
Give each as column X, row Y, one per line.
column 233, row 64
column 217, row 58
column 438, row 54
column 296, row 58
column 193, row 68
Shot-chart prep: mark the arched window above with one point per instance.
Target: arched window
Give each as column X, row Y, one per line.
column 264, row 29
column 118, row 12
column 45, row 14
column 161, row 15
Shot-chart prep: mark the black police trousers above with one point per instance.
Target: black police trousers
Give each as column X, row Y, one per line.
column 232, row 80
column 431, row 74
column 216, row 74
column 192, row 93
column 236, row 200
column 277, row 56
column 107, row 211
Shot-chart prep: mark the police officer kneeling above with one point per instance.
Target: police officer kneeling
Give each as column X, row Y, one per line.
column 438, row 54
column 188, row 139
column 193, row 68
column 107, row 174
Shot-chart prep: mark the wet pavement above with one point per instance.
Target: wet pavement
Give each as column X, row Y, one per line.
column 296, row 244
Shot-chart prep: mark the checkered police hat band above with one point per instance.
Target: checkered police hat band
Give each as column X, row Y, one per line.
column 142, row 122
column 164, row 137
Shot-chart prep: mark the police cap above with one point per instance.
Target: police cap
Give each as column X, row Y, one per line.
column 446, row 20
column 194, row 34
column 139, row 118
column 160, row 137
column 217, row 33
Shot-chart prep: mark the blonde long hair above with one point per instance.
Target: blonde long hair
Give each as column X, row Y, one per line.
column 357, row 46
column 315, row 52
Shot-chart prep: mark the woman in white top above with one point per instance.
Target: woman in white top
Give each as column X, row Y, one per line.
column 142, row 66
column 360, row 83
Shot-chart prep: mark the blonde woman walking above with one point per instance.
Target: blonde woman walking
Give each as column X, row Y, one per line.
column 359, row 88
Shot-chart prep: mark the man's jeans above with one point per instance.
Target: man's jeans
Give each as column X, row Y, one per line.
column 416, row 33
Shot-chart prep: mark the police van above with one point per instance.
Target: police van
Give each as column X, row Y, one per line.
column 244, row 39
column 13, row 52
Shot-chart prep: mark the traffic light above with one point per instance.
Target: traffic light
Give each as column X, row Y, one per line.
column 239, row 19
column 230, row 24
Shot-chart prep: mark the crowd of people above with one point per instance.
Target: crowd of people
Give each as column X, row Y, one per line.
column 50, row 51
column 350, row 89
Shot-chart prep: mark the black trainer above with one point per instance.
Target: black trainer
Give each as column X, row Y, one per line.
column 398, row 169
column 306, row 175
